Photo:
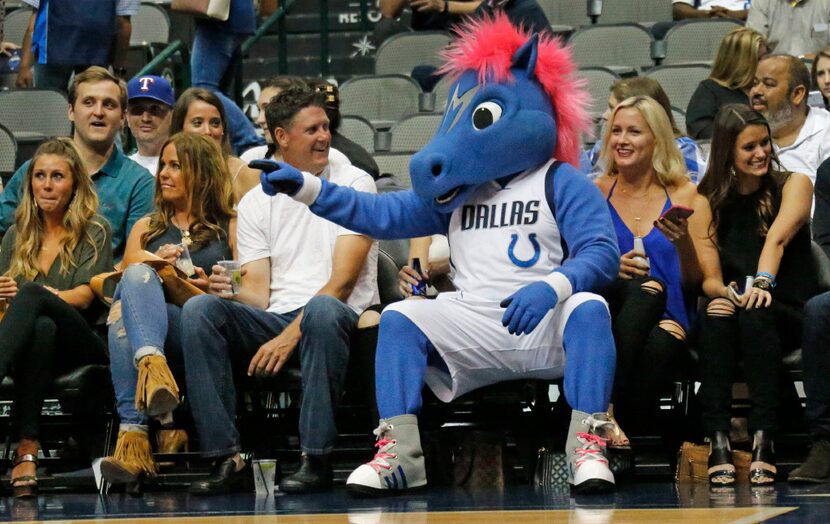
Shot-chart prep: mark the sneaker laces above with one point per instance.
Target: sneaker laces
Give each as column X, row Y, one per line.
column 384, row 445
column 591, row 448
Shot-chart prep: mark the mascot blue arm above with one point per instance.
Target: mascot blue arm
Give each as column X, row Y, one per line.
column 585, row 223
column 401, row 214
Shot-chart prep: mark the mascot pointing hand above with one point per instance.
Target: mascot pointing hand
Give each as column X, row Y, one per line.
column 530, row 240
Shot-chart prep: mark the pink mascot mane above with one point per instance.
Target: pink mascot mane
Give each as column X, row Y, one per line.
column 488, row 45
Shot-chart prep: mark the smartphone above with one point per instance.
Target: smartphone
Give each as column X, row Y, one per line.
column 676, row 212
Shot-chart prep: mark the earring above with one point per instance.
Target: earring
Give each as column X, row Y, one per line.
column 732, row 172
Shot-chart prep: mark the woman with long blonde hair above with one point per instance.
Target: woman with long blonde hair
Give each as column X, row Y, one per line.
column 47, row 259
column 193, row 218
column 731, row 78
column 644, row 178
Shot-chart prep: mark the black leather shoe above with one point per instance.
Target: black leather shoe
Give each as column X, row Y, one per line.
column 314, row 475
column 225, row 479
column 762, row 470
column 721, row 469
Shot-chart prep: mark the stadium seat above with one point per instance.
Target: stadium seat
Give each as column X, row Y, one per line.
column 38, row 111
column 400, row 53
column 381, row 99
column 692, row 41
column 16, row 24
column 395, row 164
column 599, row 81
column 679, row 119
column 620, row 47
column 636, row 11
column 8, row 154
column 358, row 130
column 414, row 132
column 679, row 81
column 565, row 15
column 150, row 26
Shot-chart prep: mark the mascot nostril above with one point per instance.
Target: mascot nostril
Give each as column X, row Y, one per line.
column 531, row 241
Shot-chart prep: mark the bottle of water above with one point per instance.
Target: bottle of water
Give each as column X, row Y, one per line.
column 14, row 60
column 640, row 247
column 419, row 289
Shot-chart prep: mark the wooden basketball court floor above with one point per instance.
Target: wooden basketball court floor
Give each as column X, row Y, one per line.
column 640, row 502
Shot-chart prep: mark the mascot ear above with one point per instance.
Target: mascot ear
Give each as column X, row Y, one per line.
column 525, row 58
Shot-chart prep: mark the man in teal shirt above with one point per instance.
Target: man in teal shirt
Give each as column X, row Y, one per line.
column 97, row 102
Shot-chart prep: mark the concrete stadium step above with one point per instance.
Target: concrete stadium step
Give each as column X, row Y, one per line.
column 339, row 66
column 308, row 45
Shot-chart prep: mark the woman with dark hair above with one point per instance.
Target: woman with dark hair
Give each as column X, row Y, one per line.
column 731, row 78
column 47, row 259
column 201, row 111
column 760, row 226
column 644, row 177
column 193, row 211
column 820, row 74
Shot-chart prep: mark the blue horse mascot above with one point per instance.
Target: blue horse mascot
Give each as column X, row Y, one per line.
column 530, row 239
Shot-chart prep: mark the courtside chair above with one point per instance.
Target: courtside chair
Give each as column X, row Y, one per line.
column 599, row 81
column 692, row 41
column 414, row 132
column 358, row 130
column 8, row 154
column 400, row 53
column 679, row 81
column 565, row 15
column 16, row 24
column 623, row 48
column 395, row 164
column 380, row 99
column 637, row 11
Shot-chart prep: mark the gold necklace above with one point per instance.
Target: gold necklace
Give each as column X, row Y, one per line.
column 185, row 233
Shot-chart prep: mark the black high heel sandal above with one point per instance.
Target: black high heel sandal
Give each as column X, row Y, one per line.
column 762, row 470
column 721, row 468
column 24, row 491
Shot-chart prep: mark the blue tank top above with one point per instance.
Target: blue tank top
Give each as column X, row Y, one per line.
column 665, row 264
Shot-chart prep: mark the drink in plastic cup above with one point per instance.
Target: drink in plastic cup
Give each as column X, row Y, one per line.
column 184, row 262
column 233, row 270
column 265, row 473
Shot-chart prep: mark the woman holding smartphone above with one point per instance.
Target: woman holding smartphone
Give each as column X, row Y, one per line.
column 193, row 208
column 644, row 178
column 760, row 225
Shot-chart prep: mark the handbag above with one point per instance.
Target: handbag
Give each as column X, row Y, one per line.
column 478, row 461
column 215, row 9
column 551, row 469
column 693, row 463
column 177, row 288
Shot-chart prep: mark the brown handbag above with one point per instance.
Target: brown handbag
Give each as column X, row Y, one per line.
column 693, row 463
column 215, row 9
column 177, row 288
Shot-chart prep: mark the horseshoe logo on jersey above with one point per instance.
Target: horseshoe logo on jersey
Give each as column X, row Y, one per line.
column 537, row 251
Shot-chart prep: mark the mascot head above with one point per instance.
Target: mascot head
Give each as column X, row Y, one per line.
column 514, row 104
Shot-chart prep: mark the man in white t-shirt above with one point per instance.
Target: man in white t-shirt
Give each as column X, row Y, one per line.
column 150, row 101
column 800, row 134
column 304, row 282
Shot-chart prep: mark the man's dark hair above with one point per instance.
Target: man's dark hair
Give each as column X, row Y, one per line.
column 282, row 109
column 332, row 98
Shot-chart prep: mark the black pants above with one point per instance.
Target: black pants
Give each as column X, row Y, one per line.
column 648, row 357
column 41, row 337
column 816, row 365
column 758, row 338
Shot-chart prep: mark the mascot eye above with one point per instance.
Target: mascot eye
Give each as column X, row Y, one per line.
column 486, row 114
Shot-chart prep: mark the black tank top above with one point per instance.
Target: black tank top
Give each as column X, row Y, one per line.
column 205, row 256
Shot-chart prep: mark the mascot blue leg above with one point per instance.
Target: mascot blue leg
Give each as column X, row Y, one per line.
column 590, row 360
column 400, row 364
column 400, row 367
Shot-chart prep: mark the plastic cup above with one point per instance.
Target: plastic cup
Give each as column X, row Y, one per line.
column 265, row 474
column 184, row 262
column 233, row 270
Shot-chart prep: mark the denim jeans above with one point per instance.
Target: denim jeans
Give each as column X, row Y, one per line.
column 147, row 326
column 50, row 76
column 815, row 361
column 213, row 55
column 220, row 336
